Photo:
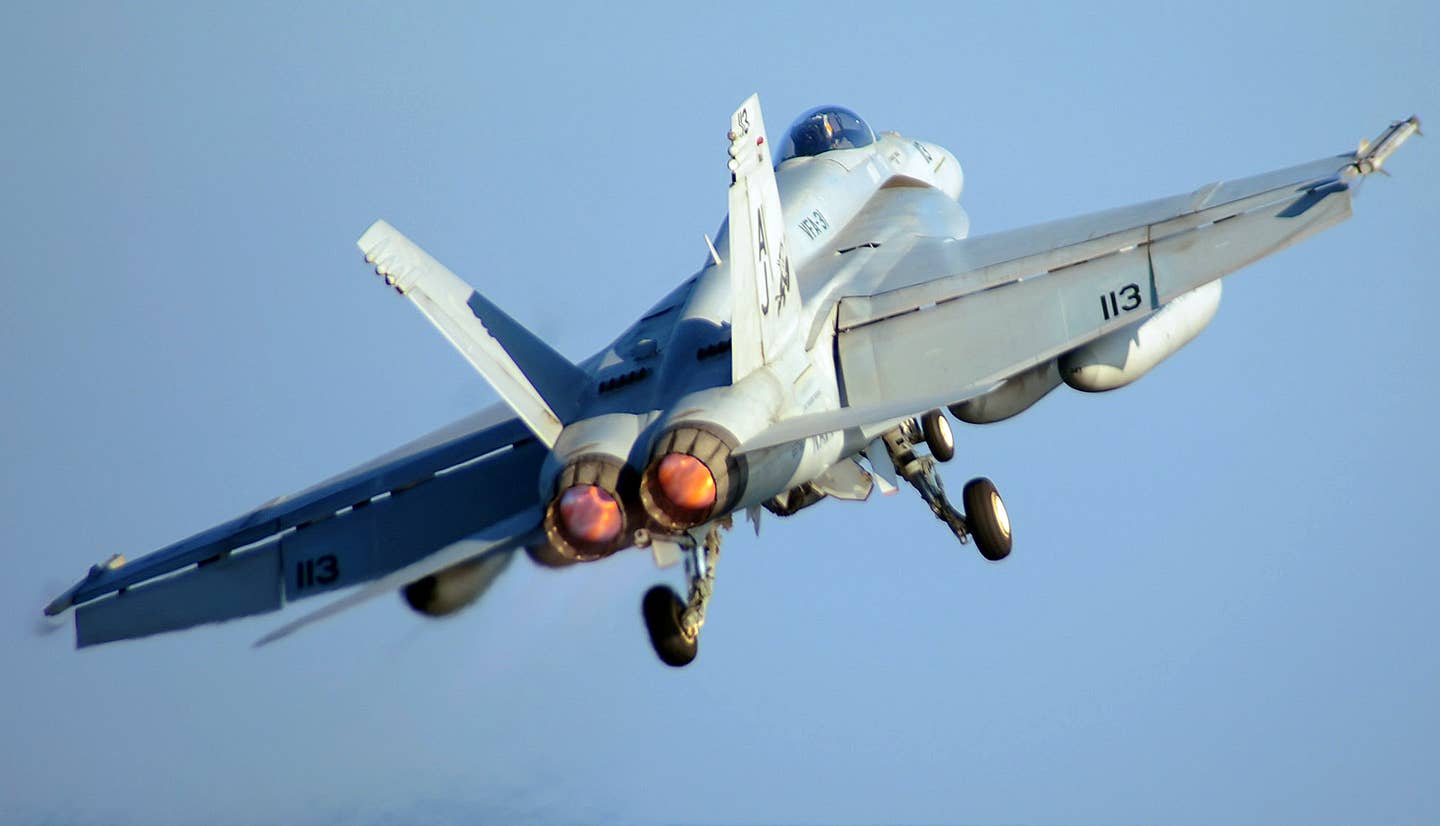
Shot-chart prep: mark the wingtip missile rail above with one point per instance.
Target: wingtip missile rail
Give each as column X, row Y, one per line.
column 66, row 601
column 1371, row 155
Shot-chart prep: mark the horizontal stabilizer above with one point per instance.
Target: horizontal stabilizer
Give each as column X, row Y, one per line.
column 540, row 385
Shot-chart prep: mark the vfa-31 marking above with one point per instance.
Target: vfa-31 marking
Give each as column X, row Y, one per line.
column 814, row 224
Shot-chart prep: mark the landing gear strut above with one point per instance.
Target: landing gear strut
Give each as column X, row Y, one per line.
column 673, row 624
column 987, row 520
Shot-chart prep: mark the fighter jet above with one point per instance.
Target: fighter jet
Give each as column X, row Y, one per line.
column 842, row 309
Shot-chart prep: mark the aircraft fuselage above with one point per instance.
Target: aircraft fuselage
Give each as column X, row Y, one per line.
column 645, row 391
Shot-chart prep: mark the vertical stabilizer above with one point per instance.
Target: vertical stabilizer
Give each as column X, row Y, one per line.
column 766, row 315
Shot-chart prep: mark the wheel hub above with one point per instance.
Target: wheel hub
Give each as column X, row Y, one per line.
column 1002, row 516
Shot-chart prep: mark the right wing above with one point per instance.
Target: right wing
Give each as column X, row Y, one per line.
column 991, row 306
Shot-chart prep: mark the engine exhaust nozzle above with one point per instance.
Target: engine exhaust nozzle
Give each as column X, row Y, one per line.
column 691, row 478
column 586, row 519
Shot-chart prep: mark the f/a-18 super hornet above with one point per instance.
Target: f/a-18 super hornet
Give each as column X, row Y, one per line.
column 799, row 364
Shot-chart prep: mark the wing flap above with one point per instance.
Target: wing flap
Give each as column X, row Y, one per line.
column 463, row 441
column 492, row 546
column 982, row 338
column 394, row 531
column 365, row 544
column 888, row 367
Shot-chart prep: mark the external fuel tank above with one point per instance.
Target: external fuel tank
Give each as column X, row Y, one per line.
column 1124, row 355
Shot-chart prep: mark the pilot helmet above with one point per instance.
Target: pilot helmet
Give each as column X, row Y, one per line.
column 820, row 132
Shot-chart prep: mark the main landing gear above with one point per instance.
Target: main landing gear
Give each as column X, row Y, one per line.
column 985, row 518
column 674, row 624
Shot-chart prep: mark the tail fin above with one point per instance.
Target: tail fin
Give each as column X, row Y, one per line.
column 539, row 384
column 766, row 315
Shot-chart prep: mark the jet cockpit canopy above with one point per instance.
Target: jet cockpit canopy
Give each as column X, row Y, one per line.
column 822, row 129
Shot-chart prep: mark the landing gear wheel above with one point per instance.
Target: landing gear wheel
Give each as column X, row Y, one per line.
column 662, row 608
column 987, row 519
column 938, row 436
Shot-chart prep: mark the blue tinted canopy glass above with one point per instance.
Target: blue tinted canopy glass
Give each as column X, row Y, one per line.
column 825, row 128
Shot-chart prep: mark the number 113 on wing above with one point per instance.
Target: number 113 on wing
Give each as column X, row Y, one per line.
column 1111, row 305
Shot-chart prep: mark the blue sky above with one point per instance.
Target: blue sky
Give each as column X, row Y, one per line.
column 1220, row 607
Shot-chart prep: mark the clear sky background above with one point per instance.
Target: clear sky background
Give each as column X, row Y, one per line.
column 1221, row 606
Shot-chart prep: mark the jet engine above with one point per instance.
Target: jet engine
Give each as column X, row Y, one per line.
column 448, row 591
column 692, row 476
column 586, row 520
column 590, row 486
column 1124, row 355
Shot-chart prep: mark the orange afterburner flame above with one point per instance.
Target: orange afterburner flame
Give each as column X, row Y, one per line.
column 589, row 514
column 686, row 482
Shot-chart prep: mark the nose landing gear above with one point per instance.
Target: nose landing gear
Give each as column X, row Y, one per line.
column 663, row 612
column 673, row 624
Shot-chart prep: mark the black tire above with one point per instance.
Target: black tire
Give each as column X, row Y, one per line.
column 987, row 519
column 938, row 435
column 662, row 608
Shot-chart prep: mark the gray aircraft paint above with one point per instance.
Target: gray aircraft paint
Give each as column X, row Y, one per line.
column 889, row 286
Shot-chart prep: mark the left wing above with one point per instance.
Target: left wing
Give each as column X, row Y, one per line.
column 991, row 306
column 355, row 527
column 489, row 549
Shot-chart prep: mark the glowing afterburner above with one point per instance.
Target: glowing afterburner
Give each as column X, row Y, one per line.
column 589, row 514
column 686, row 482
column 587, row 518
column 692, row 477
